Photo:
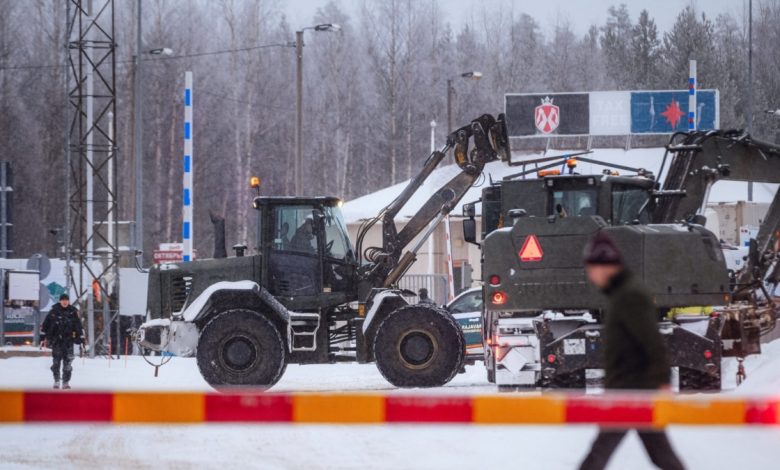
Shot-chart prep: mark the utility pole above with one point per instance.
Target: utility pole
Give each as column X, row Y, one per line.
column 750, row 84
column 430, row 238
column 449, row 106
column 474, row 75
column 297, row 167
column 139, row 169
column 298, row 163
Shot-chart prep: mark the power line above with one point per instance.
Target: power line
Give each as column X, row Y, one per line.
column 31, row 67
column 207, row 91
column 226, row 51
column 160, row 58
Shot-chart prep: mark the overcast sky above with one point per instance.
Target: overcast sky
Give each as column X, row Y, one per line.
column 581, row 13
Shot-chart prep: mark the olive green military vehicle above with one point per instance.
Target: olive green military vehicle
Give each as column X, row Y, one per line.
column 541, row 316
column 307, row 296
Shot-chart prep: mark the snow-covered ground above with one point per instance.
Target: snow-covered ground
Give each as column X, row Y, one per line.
column 364, row 447
column 347, row 447
column 182, row 374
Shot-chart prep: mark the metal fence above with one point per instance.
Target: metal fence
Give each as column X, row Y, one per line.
column 435, row 283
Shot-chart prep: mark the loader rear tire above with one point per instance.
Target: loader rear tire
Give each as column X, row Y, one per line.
column 419, row 346
column 241, row 348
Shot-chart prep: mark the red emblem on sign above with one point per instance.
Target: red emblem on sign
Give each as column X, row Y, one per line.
column 547, row 116
column 531, row 250
column 673, row 113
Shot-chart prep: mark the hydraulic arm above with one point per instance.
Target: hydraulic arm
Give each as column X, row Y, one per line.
column 699, row 160
column 389, row 262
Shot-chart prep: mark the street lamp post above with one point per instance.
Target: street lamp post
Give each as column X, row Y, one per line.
column 298, row 162
column 750, row 85
column 474, row 75
column 138, row 154
column 139, row 210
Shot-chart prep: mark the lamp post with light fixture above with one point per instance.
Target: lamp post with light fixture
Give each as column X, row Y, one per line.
column 298, row 163
column 474, row 75
column 138, row 140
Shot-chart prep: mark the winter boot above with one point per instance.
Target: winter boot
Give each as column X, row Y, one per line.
column 65, row 386
column 56, row 384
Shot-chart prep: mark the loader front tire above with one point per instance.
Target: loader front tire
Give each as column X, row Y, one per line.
column 419, row 346
column 241, row 348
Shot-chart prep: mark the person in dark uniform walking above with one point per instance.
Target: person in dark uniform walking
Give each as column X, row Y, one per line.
column 635, row 356
column 62, row 329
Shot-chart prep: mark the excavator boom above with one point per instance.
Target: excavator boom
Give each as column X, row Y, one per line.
column 389, row 262
column 699, row 160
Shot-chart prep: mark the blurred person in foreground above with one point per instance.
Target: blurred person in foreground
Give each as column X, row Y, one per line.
column 62, row 329
column 635, row 356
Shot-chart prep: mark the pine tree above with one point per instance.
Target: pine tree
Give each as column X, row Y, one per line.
column 645, row 51
column 616, row 45
column 691, row 37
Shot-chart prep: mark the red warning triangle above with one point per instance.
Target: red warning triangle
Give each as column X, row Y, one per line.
column 531, row 250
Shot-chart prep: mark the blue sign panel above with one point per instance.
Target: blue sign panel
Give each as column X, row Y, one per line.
column 661, row 112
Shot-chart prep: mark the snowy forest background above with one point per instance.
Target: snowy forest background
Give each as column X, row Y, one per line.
column 370, row 92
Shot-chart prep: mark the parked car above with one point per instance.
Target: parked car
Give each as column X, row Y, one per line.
column 467, row 310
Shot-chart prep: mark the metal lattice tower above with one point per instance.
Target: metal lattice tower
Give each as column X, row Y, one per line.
column 92, row 248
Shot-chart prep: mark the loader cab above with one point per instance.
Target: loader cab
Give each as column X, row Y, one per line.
column 309, row 262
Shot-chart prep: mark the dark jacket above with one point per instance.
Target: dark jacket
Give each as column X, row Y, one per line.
column 62, row 326
column 635, row 354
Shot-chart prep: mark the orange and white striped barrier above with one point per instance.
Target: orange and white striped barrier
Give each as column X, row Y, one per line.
column 654, row 410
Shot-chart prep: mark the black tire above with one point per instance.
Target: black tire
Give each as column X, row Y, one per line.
column 695, row 381
column 419, row 346
column 575, row 380
column 241, row 348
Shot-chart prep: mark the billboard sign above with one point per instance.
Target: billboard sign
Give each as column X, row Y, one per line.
column 547, row 114
column 664, row 112
column 607, row 112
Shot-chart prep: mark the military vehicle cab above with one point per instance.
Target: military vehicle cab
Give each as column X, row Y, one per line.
column 619, row 200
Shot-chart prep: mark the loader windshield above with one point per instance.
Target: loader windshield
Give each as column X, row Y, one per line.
column 337, row 244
